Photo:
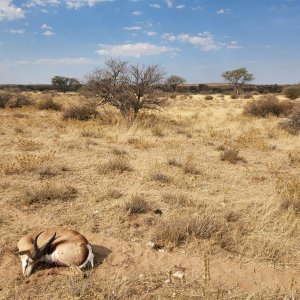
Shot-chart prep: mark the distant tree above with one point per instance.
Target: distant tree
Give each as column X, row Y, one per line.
column 238, row 78
column 129, row 88
column 173, row 81
column 65, row 84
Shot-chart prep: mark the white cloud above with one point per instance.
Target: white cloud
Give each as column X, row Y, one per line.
column 233, row 45
column 205, row 41
column 9, row 11
column 180, row 6
column 71, row 4
column 45, row 26
column 154, row 5
column 63, row 61
column 16, row 31
column 169, row 3
column 76, row 4
column 151, row 33
column 48, row 33
column 34, row 3
column 137, row 13
column 197, row 8
column 223, row 11
column 134, row 50
column 133, row 28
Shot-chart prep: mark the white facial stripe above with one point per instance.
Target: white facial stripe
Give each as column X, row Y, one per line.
column 24, row 259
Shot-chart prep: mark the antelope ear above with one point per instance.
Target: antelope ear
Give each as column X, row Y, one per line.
column 23, row 252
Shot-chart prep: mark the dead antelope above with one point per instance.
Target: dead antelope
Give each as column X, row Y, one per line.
column 61, row 247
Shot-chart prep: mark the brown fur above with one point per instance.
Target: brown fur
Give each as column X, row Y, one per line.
column 70, row 245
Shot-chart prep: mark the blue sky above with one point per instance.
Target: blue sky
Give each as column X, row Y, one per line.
column 196, row 39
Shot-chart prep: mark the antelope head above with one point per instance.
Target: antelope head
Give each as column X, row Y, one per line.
column 31, row 258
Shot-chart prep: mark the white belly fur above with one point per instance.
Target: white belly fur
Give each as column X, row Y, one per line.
column 90, row 258
column 53, row 258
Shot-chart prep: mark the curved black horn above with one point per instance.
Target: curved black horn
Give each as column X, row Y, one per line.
column 39, row 252
column 36, row 247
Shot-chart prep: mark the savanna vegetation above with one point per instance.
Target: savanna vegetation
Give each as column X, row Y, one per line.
column 195, row 197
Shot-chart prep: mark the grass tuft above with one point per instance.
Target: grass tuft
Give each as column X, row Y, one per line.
column 47, row 193
column 137, row 205
column 119, row 165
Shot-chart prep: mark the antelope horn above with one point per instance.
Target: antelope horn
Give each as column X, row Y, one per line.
column 39, row 252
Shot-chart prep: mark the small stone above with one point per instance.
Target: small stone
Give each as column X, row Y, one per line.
column 178, row 275
column 158, row 211
column 151, row 245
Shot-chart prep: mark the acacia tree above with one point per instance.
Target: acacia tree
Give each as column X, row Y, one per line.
column 65, row 84
column 238, row 78
column 129, row 88
column 173, row 81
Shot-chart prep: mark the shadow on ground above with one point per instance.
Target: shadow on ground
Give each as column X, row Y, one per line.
column 101, row 253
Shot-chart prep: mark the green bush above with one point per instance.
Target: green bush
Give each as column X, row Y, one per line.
column 292, row 92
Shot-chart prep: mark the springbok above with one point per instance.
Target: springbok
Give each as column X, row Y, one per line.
column 61, row 247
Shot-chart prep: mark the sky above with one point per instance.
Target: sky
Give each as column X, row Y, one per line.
column 194, row 39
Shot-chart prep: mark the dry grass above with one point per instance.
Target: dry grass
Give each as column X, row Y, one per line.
column 268, row 106
column 292, row 125
column 181, row 228
column 232, row 156
column 118, row 165
column 158, row 179
column 289, row 193
column 137, row 205
column 82, row 112
column 46, row 194
column 47, row 103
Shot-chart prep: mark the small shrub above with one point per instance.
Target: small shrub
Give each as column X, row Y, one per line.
column 190, row 166
column 209, row 97
column 234, row 96
column 158, row 176
column 137, row 205
column 174, row 162
column 293, row 124
column 140, row 143
column 114, row 194
column 294, row 157
column 231, row 155
column 48, row 103
column 119, row 151
column 247, row 96
column 289, row 193
column 5, row 97
column 178, row 229
column 47, row 193
column 83, row 112
column 292, row 92
column 175, row 199
column 119, row 165
column 19, row 100
column 158, row 131
column 268, row 106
